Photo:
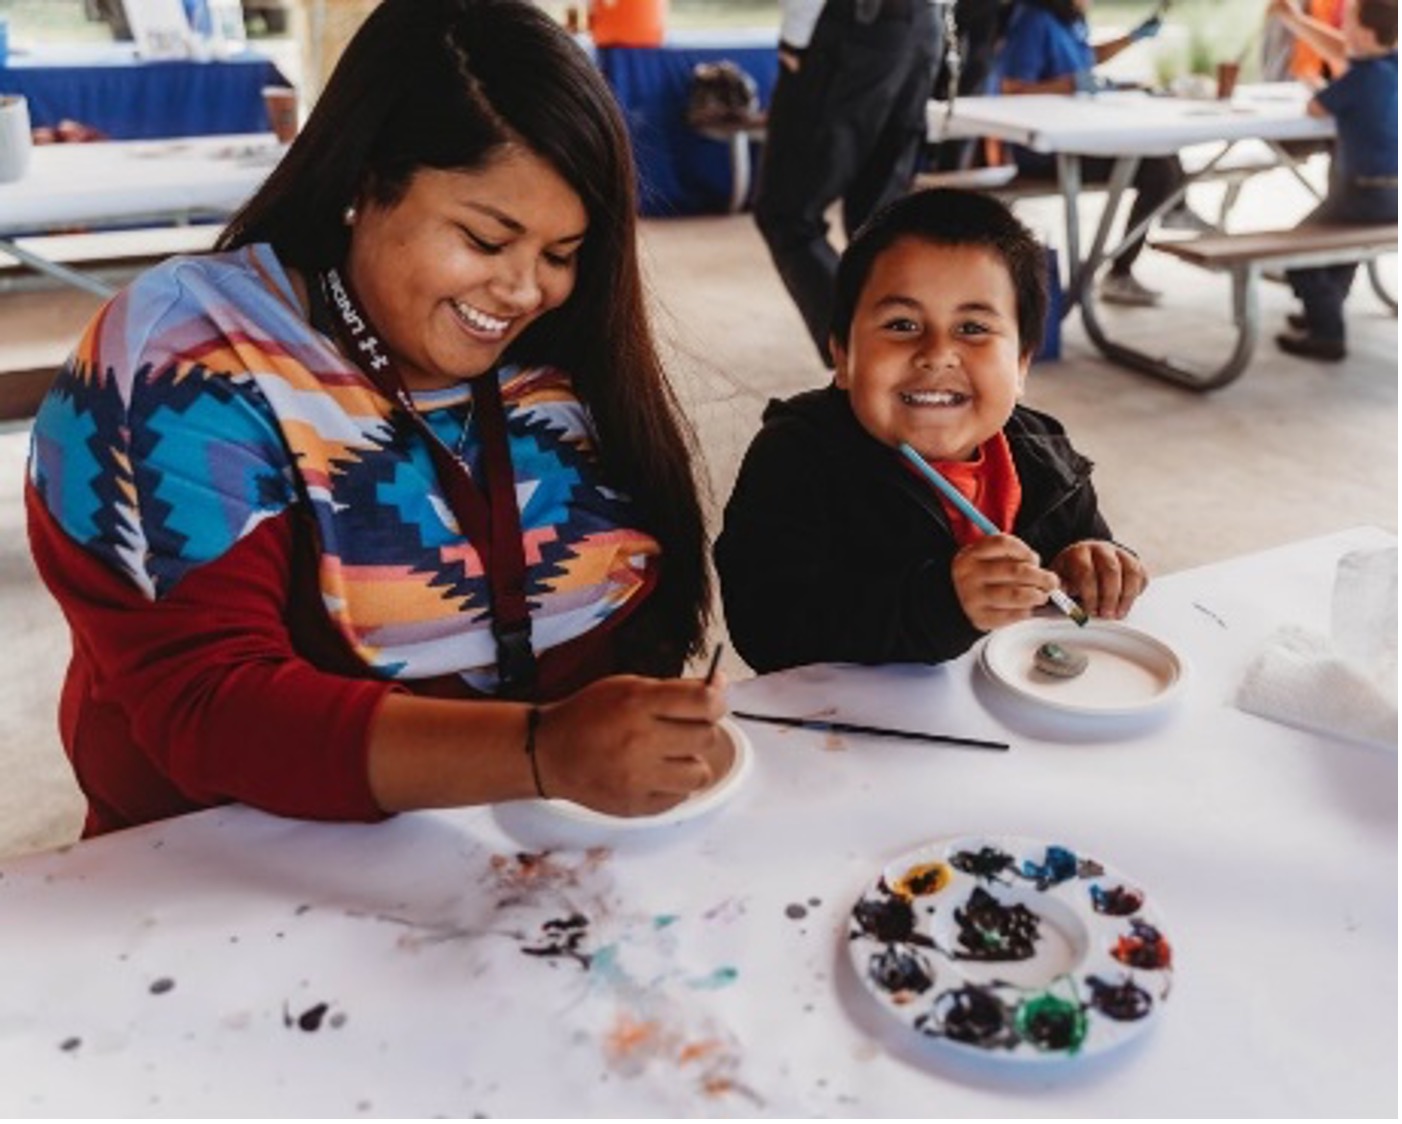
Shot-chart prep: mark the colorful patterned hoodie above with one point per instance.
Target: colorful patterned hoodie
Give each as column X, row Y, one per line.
column 202, row 430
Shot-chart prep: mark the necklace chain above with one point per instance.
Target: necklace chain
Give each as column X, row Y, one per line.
column 462, row 437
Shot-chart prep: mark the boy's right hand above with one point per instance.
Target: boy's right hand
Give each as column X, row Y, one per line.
column 999, row 580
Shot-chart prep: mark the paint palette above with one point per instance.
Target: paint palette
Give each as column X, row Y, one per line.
column 698, row 804
column 1128, row 672
column 1011, row 948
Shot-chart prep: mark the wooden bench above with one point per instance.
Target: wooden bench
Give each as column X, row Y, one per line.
column 1245, row 256
column 22, row 391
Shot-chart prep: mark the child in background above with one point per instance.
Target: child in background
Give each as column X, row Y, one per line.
column 1362, row 99
column 834, row 548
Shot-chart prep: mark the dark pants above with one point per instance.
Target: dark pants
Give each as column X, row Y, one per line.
column 977, row 22
column 1324, row 289
column 848, row 125
column 1156, row 178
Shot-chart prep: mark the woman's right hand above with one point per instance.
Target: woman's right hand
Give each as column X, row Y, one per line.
column 630, row 746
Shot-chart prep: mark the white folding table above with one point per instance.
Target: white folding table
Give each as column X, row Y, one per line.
column 231, row 963
column 129, row 184
column 1127, row 126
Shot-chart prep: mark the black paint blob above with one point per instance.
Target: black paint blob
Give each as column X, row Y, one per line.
column 895, row 971
column 563, row 937
column 888, row 919
column 989, row 930
column 1117, row 901
column 309, row 1020
column 162, row 985
column 987, row 863
column 971, row 1015
column 795, row 912
column 1123, row 1002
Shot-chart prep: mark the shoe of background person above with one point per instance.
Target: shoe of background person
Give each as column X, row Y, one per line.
column 1124, row 288
column 1298, row 322
column 1311, row 347
column 1185, row 218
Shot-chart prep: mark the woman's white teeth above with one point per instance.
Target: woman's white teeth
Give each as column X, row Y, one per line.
column 480, row 320
column 933, row 397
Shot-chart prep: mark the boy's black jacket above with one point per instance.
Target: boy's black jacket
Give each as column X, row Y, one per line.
column 833, row 550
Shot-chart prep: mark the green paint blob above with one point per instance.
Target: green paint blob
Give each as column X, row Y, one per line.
column 1051, row 1023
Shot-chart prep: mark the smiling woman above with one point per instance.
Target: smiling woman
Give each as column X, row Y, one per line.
column 386, row 503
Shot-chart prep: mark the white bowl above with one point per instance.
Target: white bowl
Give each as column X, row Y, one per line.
column 548, row 823
column 1129, row 673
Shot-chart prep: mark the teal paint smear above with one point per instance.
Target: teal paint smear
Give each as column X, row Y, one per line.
column 721, row 977
column 662, row 920
column 604, row 964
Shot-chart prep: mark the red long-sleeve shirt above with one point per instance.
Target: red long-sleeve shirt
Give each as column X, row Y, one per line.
column 207, row 695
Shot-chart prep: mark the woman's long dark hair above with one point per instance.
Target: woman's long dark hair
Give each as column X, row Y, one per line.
column 445, row 84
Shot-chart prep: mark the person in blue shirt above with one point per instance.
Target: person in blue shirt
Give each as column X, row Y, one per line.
column 1362, row 99
column 1047, row 50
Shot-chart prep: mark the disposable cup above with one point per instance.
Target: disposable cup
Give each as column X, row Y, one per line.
column 1227, row 74
column 16, row 141
column 281, row 102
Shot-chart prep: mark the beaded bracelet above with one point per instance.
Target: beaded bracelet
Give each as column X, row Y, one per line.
column 532, row 725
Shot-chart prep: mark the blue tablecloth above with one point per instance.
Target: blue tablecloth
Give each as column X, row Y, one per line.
column 111, row 90
column 681, row 172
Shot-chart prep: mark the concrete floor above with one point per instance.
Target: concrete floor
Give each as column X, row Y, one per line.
column 1293, row 449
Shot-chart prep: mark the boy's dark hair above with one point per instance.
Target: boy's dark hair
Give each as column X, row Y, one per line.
column 1380, row 17
column 947, row 217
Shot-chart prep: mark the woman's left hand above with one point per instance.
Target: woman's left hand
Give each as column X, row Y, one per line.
column 1104, row 577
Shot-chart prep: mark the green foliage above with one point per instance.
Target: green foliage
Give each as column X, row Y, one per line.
column 1220, row 32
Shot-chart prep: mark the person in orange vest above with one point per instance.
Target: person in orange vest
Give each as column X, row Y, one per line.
column 1307, row 63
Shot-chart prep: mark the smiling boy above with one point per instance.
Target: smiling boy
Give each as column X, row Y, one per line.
column 834, row 549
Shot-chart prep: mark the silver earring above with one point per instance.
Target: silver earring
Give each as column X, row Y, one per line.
column 348, row 216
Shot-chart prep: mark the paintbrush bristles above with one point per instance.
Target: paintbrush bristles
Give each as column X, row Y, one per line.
column 716, row 654
column 1069, row 607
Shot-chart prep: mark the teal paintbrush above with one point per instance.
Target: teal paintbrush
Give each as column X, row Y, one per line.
column 984, row 524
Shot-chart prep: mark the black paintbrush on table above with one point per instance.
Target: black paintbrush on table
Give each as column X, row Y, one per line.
column 831, row 726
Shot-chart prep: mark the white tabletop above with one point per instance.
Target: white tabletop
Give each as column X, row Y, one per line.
column 233, row 963
column 129, row 181
column 101, row 54
column 1131, row 122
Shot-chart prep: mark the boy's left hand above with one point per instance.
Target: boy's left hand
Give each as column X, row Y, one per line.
column 1103, row 577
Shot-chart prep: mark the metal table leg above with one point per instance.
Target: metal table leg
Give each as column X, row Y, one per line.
column 1375, row 278
column 1068, row 175
column 54, row 269
column 1245, row 309
column 739, row 170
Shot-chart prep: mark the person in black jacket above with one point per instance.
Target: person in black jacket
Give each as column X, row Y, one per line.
column 834, row 549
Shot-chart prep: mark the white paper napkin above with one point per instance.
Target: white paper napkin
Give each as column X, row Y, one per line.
column 1344, row 684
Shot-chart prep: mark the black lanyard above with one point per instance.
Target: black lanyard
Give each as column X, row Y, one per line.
column 492, row 522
